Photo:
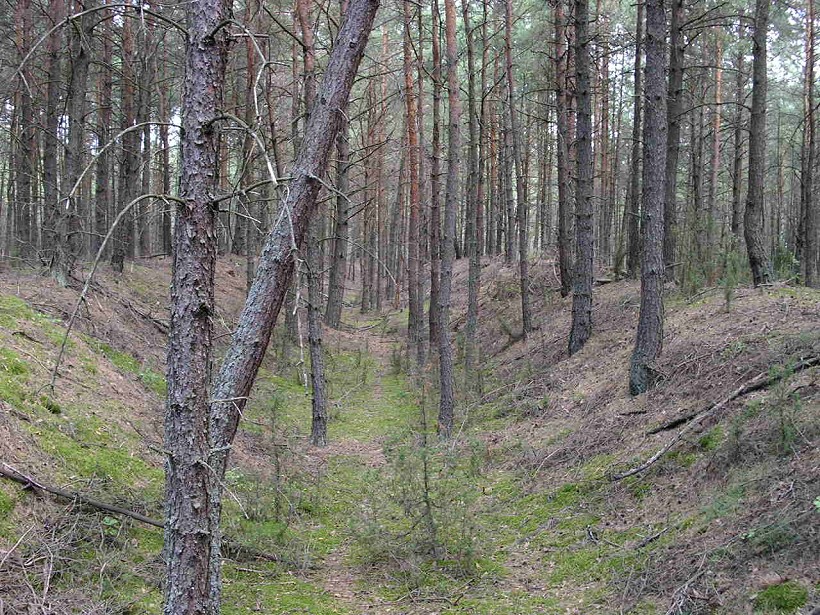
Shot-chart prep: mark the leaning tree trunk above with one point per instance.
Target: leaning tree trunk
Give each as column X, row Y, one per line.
column 192, row 586
column 650, row 322
column 275, row 269
column 582, row 276
column 753, row 217
column 447, row 377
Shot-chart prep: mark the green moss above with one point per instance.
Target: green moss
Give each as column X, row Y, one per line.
column 637, row 487
column 11, row 364
column 13, row 310
column 784, row 598
column 13, row 375
column 127, row 363
column 506, row 602
column 725, row 503
column 712, row 439
column 269, row 591
column 92, row 450
column 6, row 505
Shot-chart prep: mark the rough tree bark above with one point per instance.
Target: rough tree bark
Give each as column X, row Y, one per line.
column 562, row 156
column 520, row 177
column 275, row 269
column 190, row 490
column 673, row 113
column 473, row 171
column 338, row 266
column 446, row 375
column 582, row 276
column 435, row 180
column 737, row 163
column 415, row 317
column 753, row 216
column 632, row 214
column 650, row 323
column 66, row 238
column 809, row 210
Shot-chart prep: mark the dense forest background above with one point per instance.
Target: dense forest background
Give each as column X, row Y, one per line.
column 575, row 228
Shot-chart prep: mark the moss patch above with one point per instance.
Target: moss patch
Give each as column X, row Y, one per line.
column 784, row 598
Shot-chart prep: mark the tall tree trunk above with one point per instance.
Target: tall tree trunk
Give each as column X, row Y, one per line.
column 26, row 147
column 562, row 121
column 447, row 377
column 737, row 164
column 753, row 216
column 51, row 139
column 633, row 213
column 338, row 265
column 192, row 585
column 435, row 181
column 415, row 317
column 673, row 118
column 650, row 323
column 520, row 178
column 103, row 190
column 714, row 166
column 129, row 165
column 809, row 207
column 473, row 172
column 582, row 276
column 318, row 432
column 275, row 270
column 67, row 235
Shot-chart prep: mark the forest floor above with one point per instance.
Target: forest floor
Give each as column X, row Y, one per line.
column 518, row 514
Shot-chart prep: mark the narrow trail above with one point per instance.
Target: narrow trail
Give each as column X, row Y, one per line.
column 334, row 572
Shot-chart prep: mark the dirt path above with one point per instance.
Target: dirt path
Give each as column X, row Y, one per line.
column 335, row 574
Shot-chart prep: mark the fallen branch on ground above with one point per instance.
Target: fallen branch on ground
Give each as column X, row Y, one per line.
column 233, row 548
column 761, row 381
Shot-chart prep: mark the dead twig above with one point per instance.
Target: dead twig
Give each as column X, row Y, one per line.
column 761, row 381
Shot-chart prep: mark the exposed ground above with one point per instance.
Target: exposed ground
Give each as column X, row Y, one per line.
column 519, row 515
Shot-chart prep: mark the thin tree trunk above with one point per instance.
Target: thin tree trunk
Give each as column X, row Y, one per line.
column 473, row 171
column 520, row 178
column 51, row 139
column 673, row 118
column 650, row 323
column 753, row 216
column 447, row 377
column 582, row 276
column 809, row 210
column 415, row 317
column 67, row 236
column 435, row 182
column 562, row 121
column 737, row 165
column 338, row 266
column 633, row 213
